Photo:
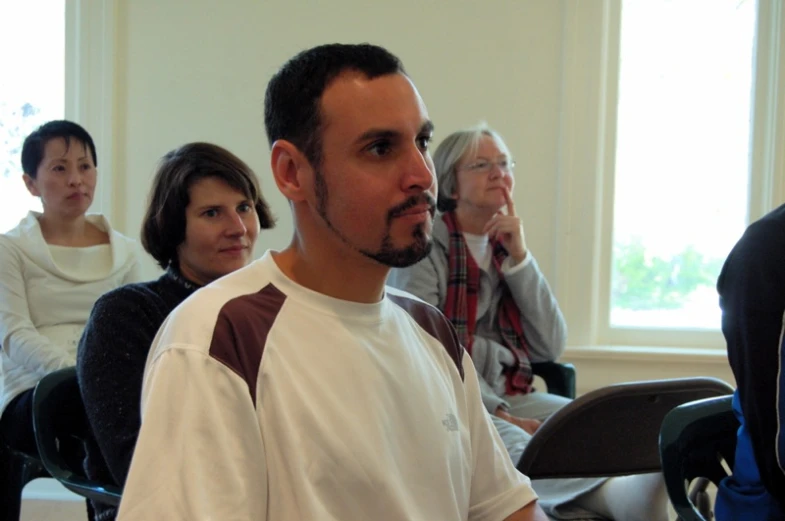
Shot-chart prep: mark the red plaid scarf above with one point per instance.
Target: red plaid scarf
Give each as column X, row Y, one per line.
column 463, row 286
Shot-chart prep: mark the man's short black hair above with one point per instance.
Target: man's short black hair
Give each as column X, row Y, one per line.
column 292, row 100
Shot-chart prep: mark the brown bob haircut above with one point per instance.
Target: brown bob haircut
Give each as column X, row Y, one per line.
column 163, row 227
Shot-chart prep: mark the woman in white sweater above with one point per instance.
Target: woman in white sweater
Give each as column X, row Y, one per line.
column 53, row 267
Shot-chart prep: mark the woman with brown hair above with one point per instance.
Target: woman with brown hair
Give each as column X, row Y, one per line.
column 203, row 217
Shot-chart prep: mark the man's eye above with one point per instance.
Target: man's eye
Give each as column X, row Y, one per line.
column 380, row 148
column 212, row 212
column 424, row 142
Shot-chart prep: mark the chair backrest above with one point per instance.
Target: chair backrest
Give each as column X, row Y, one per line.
column 61, row 428
column 694, row 438
column 611, row 431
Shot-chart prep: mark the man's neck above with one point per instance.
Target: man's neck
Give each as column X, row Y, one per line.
column 345, row 275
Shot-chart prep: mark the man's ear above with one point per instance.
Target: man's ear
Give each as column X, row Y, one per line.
column 31, row 185
column 291, row 170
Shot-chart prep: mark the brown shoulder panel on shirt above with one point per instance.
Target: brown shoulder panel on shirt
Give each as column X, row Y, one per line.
column 241, row 331
column 431, row 319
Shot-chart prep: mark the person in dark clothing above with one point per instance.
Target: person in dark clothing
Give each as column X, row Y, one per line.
column 203, row 217
column 752, row 297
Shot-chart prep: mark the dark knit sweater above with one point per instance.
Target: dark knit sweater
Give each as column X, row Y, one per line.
column 110, row 366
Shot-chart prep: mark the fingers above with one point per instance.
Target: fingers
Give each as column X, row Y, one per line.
column 491, row 222
column 502, row 224
column 492, row 229
column 510, row 204
column 527, row 424
column 532, row 425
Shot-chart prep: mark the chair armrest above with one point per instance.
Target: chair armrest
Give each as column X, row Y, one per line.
column 560, row 378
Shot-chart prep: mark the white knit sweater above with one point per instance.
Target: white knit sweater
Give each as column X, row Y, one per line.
column 46, row 296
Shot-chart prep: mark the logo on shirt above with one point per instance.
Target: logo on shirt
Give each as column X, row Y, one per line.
column 450, row 422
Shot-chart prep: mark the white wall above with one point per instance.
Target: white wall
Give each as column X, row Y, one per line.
column 197, row 69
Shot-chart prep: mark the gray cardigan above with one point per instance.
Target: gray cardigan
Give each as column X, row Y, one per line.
column 543, row 323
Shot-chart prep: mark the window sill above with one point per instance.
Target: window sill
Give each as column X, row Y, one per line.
column 647, row 354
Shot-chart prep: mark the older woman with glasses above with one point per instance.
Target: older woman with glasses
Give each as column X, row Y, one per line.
column 482, row 276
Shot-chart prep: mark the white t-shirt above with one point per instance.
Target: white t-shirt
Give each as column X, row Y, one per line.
column 480, row 248
column 264, row 400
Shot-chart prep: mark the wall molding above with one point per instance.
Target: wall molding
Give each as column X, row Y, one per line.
column 599, row 366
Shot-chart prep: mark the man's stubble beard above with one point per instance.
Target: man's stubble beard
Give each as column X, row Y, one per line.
column 387, row 254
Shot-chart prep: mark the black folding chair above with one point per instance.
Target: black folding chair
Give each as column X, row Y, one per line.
column 61, row 429
column 17, row 469
column 694, row 441
column 611, row 431
column 559, row 378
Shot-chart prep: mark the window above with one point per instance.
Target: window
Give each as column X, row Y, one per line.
column 32, row 51
column 672, row 129
column 682, row 157
column 58, row 62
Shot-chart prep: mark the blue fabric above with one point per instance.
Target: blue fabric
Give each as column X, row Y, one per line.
column 742, row 496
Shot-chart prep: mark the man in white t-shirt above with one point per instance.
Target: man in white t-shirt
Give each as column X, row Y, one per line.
column 300, row 388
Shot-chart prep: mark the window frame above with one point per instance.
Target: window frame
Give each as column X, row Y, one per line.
column 90, row 67
column 587, row 155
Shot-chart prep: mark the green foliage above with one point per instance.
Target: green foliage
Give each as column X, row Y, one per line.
column 641, row 281
column 16, row 122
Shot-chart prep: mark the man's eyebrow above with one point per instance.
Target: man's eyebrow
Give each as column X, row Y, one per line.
column 377, row 133
column 427, row 127
column 382, row 133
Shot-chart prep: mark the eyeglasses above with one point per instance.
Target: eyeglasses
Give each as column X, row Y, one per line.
column 484, row 166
